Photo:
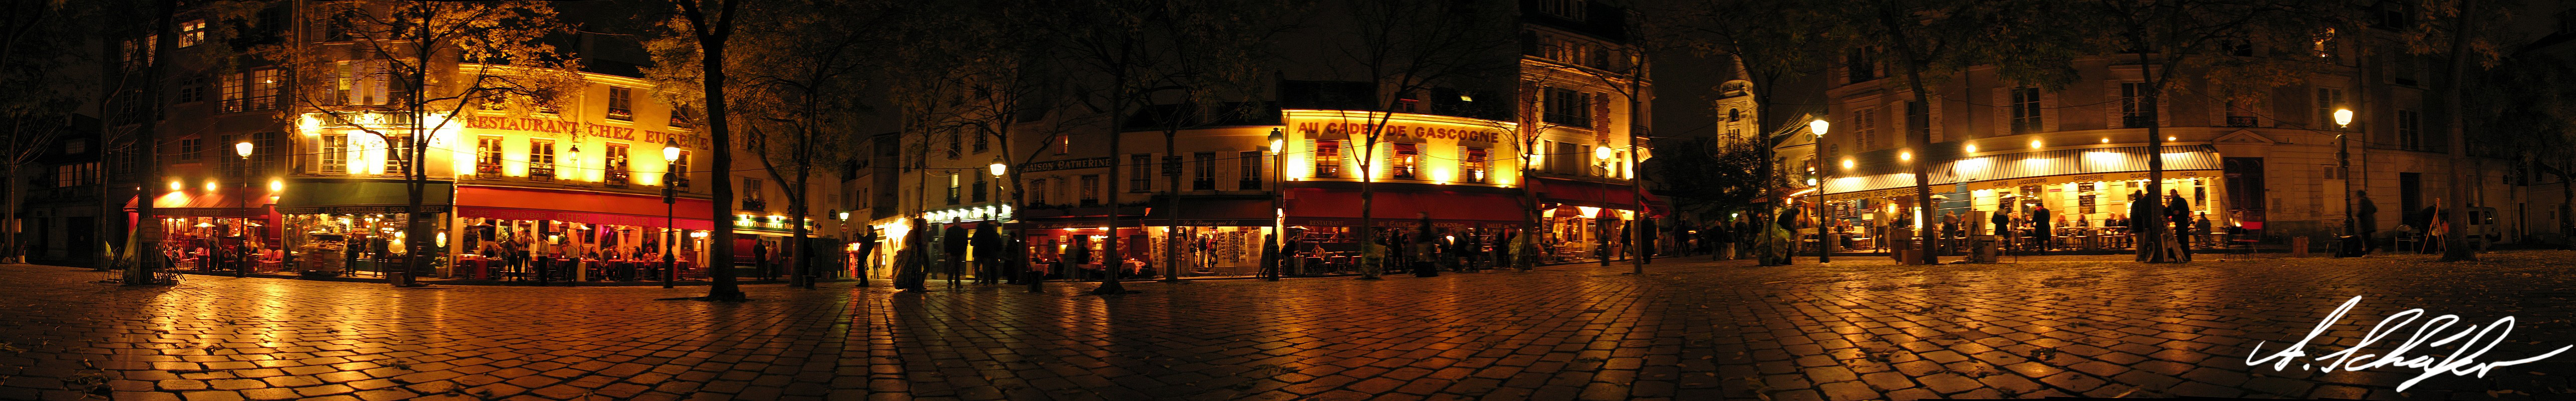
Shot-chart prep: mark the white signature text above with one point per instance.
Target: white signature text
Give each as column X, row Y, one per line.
column 2462, row 362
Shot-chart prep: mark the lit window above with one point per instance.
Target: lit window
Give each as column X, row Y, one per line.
column 1328, row 159
column 621, row 104
column 541, row 160
column 192, row 32
column 1408, row 158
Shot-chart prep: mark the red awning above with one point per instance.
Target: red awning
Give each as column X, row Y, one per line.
column 218, row 204
column 580, row 206
column 1325, row 207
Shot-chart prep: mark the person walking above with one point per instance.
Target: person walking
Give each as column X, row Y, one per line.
column 867, row 254
column 2042, row 226
column 911, row 266
column 2138, row 203
column 2366, row 221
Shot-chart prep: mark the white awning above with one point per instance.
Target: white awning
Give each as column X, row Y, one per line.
column 2036, row 168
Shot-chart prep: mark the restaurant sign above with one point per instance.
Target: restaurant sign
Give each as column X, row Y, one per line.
column 1069, row 164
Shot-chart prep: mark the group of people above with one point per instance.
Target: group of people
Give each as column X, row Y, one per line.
column 982, row 247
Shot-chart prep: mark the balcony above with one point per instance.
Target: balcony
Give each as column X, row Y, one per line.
column 488, row 171
column 755, row 204
column 621, row 114
column 618, row 179
column 2240, row 121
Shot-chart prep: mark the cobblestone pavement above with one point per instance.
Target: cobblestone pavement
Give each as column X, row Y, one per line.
column 1858, row 329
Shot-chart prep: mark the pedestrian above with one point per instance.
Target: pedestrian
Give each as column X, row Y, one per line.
column 760, row 259
column 867, row 254
column 912, row 266
column 1721, row 243
column 2041, row 226
column 1272, row 253
column 953, row 245
column 2178, row 210
column 2138, row 204
column 988, row 255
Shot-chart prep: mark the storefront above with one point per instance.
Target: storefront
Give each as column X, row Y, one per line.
column 2086, row 191
column 1213, row 236
column 1327, row 221
column 1583, row 219
column 580, row 235
column 215, row 230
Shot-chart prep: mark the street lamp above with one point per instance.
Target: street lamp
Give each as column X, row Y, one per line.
column 997, row 167
column 573, row 162
column 1824, row 237
column 670, row 200
column 2343, row 165
column 242, row 201
column 1278, row 141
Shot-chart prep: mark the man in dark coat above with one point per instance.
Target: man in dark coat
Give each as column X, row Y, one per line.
column 2041, row 226
column 2138, row 222
column 988, row 255
column 867, row 254
column 2178, row 211
column 952, row 247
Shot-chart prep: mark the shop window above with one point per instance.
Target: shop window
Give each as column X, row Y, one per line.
column 619, row 174
column 1407, row 160
column 1328, row 159
column 1252, row 162
column 487, row 157
column 621, row 104
column 335, row 154
column 1203, row 176
column 541, row 160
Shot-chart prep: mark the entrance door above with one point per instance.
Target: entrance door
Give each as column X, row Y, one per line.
column 2244, row 188
column 2410, row 198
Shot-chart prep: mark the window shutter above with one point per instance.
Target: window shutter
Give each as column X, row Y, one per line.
column 2048, row 111
column 1464, row 172
column 2327, row 100
column 2003, row 111
column 1311, row 156
column 1934, row 119
column 312, row 153
column 1385, row 155
column 1269, row 170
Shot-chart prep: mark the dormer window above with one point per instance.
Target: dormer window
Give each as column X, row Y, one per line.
column 1567, row 9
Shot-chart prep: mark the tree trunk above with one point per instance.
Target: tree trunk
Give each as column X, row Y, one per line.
column 1114, row 260
column 711, row 44
column 2455, row 247
column 1922, row 168
column 799, row 263
column 147, row 249
column 1172, row 230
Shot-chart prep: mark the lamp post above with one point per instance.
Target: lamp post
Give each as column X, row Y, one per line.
column 1278, row 140
column 2343, row 165
column 1824, row 236
column 243, row 202
column 1601, row 154
column 670, row 200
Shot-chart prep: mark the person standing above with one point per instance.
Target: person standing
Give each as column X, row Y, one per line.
column 867, row 254
column 2178, row 210
column 2042, row 226
column 952, row 246
column 988, row 255
column 2138, row 203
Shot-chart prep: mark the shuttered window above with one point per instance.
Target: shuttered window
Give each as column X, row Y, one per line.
column 1328, row 158
column 1253, row 169
column 2328, row 99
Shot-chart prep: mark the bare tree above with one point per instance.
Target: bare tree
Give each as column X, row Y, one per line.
column 711, row 23
column 1407, row 48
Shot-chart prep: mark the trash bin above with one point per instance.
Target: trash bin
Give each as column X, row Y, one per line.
column 2299, row 246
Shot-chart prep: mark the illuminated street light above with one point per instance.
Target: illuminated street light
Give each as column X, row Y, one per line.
column 997, row 166
column 2343, row 117
column 242, row 149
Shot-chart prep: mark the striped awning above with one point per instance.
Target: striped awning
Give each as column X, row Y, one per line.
column 2034, row 168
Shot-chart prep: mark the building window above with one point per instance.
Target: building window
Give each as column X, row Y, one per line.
column 2239, row 113
column 397, row 154
column 621, row 104
column 1566, row 107
column 2133, row 105
column 192, row 33
column 682, row 118
column 1140, row 173
column 192, row 89
column 983, row 142
column 619, row 175
column 953, row 186
column 752, row 199
column 1251, row 162
column 1328, row 159
column 541, row 160
column 1867, row 134
column 1479, row 165
column 1860, row 65
column 955, row 148
column 1091, row 190
column 681, row 166
column 487, row 157
column 192, row 147
column 1203, row 177
column 2393, row 15
column 2328, row 99
column 2025, row 110
column 980, row 188
column 267, row 148
column 1575, row 10
column 2324, row 44
column 76, row 174
column 1037, row 191
column 2410, row 130
column 1408, row 159
column 231, row 94
column 231, row 162
column 264, row 86
column 1063, row 143
column 335, row 154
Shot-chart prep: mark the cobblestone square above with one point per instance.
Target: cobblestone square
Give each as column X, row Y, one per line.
column 1858, row 329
